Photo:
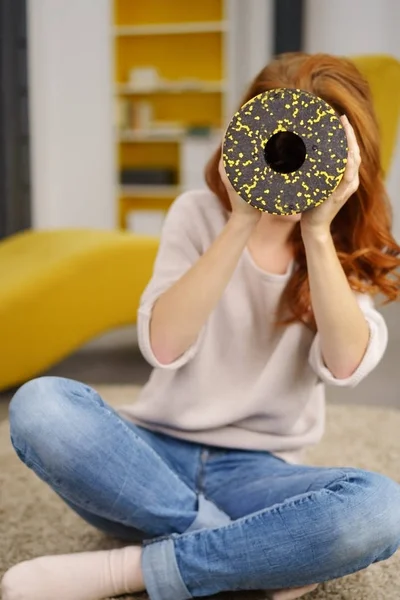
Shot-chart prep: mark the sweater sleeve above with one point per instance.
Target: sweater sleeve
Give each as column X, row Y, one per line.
column 180, row 247
column 378, row 338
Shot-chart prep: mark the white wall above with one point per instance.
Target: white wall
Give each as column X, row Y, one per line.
column 71, row 113
column 353, row 27
column 249, row 45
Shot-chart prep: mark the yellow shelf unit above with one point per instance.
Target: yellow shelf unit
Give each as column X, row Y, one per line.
column 184, row 47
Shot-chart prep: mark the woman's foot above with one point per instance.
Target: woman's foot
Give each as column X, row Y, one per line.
column 85, row 576
column 293, row 593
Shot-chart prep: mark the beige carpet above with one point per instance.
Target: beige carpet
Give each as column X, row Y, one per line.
column 33, row 521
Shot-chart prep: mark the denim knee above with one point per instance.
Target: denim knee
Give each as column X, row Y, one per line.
column 45, row 415
column 369, row 528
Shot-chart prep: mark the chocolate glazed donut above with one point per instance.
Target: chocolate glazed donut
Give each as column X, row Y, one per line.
column 285, row 151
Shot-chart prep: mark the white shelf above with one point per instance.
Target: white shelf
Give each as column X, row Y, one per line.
column 172, row 28
column 172, row 87
column 150, row 136
column 150, row 191
column 154, row 136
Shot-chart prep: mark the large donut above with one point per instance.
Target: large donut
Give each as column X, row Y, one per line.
column 285, row 151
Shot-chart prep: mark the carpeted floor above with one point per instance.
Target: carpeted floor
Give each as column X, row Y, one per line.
column 34, row 521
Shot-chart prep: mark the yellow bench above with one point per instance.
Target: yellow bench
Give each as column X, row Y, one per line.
column 59, row 289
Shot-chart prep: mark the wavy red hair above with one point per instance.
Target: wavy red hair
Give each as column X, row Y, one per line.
column 362, row 229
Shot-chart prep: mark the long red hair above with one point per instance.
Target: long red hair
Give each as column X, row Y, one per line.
column 362, row 229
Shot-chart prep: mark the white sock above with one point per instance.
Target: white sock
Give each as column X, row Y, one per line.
column 90, row 576
column 84, row 576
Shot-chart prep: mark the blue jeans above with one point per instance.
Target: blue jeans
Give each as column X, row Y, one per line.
column 210, row 519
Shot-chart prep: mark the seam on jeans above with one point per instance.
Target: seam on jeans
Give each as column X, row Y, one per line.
column 272, row 510
column 200, row 477
column 37, row 468
column 20, row 454
column 197, row 482
column 203, row 451
column 24, row 458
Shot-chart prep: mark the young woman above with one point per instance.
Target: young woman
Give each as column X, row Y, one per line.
column 245, row 320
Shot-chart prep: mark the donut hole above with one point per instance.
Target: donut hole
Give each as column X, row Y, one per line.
column 285, row 152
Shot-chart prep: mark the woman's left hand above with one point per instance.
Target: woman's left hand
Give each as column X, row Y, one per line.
column 321, row 217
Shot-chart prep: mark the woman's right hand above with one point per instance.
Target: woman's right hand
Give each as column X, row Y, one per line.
column 239, row 206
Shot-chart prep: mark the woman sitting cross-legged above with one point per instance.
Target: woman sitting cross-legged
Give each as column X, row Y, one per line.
column 246, row 318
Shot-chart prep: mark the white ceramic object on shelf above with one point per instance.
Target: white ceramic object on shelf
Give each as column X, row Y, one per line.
column 144, row 78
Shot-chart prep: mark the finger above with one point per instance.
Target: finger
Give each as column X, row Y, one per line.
column 351, row 138
column 351, row 172
column 221, row 167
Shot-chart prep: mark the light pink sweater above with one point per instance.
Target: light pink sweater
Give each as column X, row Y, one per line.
column 242, row 384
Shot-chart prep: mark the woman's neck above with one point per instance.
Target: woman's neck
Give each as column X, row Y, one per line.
column 270, row 244
column 273, row 231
